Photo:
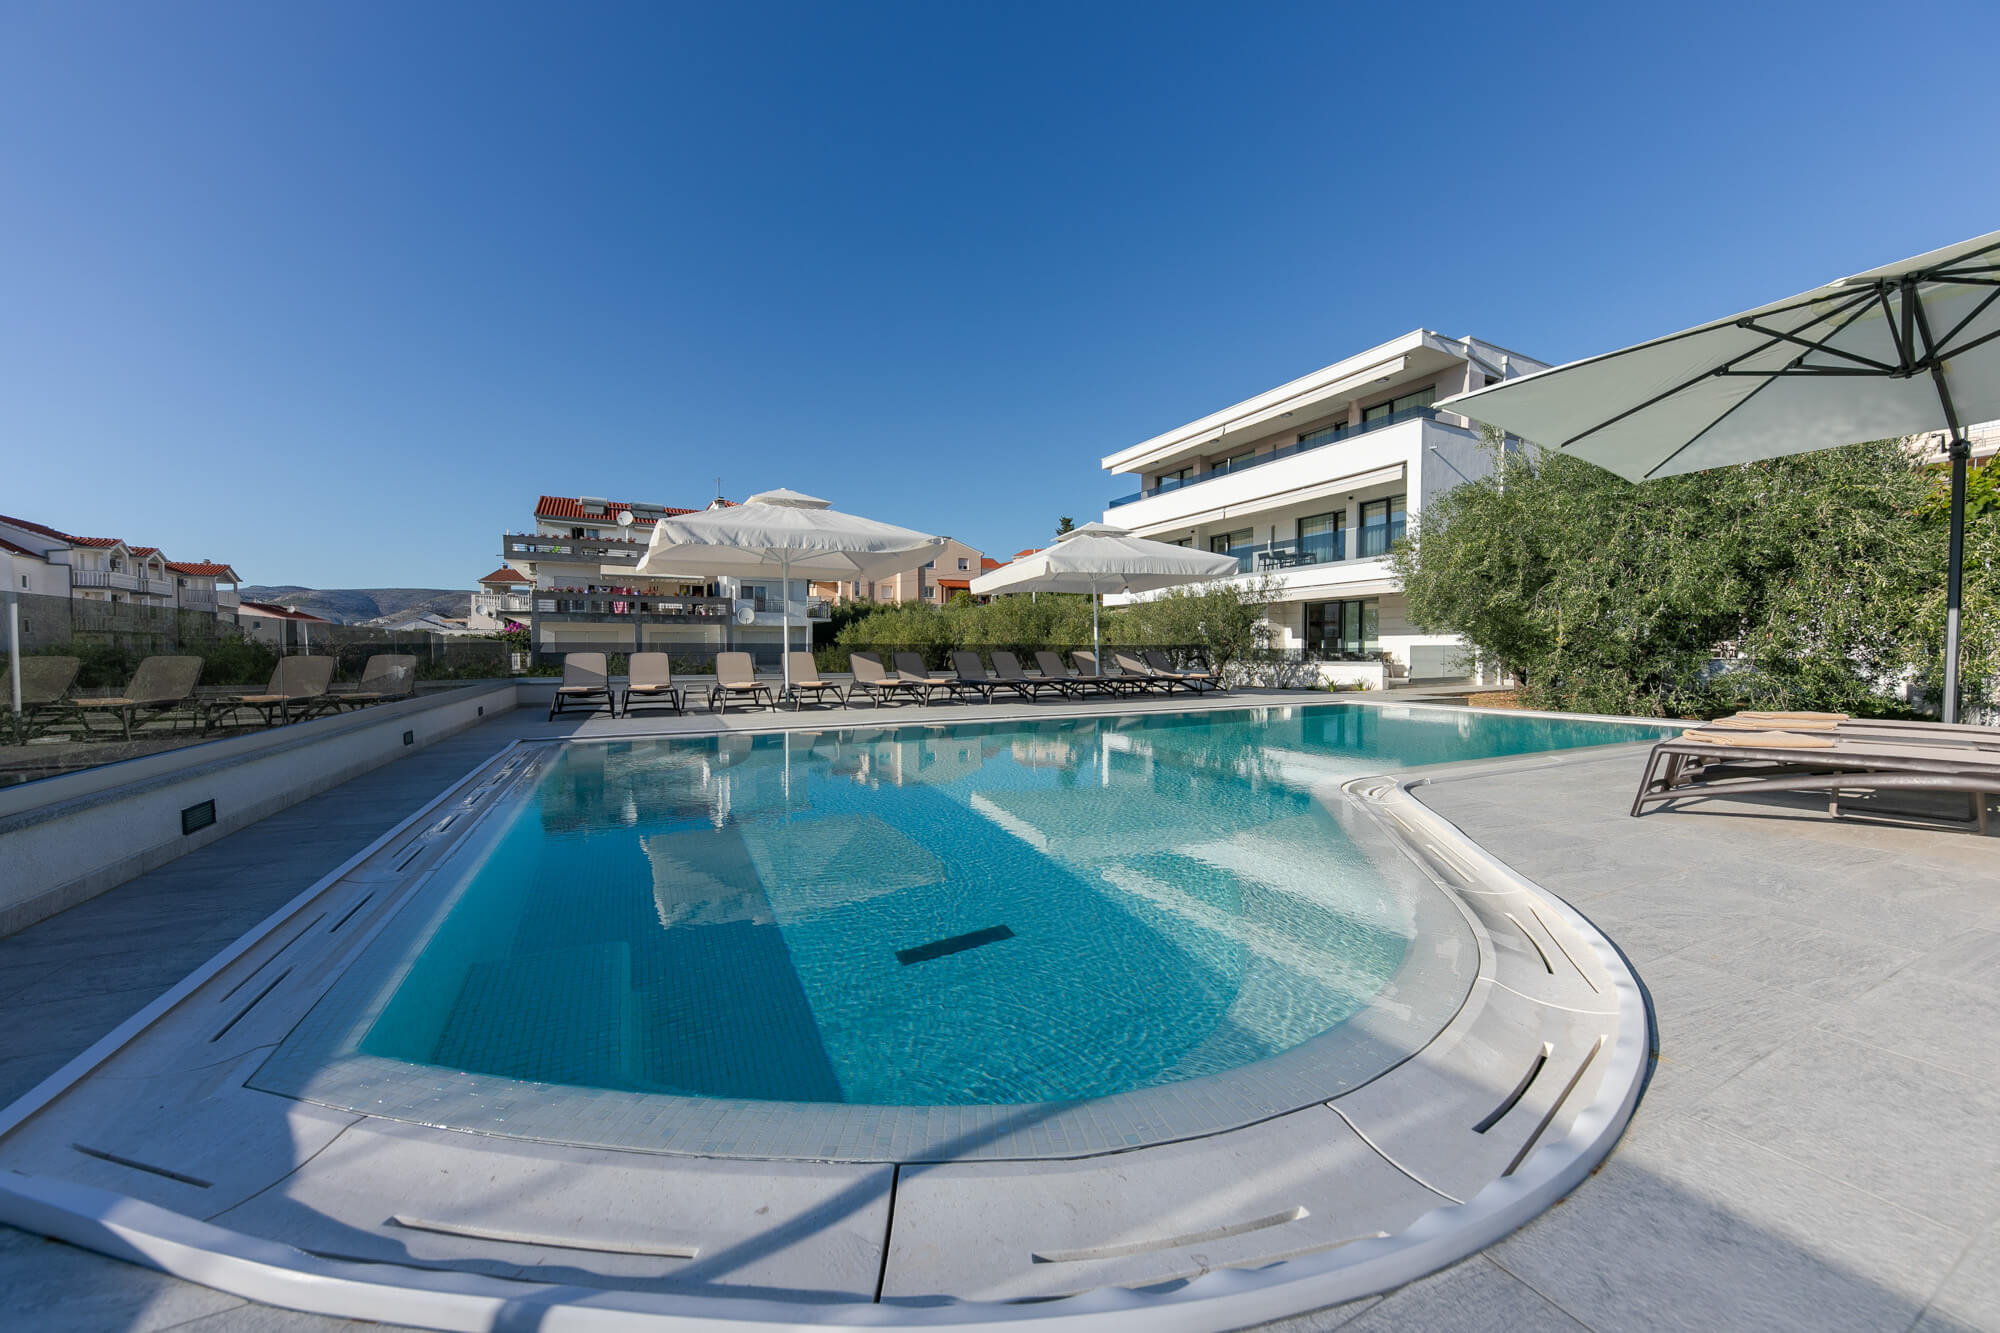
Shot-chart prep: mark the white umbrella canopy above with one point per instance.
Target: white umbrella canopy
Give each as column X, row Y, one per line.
column 1098, row 558
column 1904, row 349
column 786, row 533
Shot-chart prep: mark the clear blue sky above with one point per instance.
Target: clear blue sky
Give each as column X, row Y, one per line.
column 333, row 290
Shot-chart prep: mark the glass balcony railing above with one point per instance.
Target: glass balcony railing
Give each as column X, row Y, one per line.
column 1290, row 450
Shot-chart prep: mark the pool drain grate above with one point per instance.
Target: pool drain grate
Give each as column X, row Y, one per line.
column 923, row 953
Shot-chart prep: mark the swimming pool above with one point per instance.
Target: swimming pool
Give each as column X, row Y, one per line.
column 991, row 914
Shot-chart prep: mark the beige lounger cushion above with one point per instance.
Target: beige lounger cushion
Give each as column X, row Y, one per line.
column 1759, row 740
column 1746, row 722
column 1795, row 717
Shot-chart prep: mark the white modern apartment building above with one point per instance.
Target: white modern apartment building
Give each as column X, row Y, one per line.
column 1311, row 482
column 572, row 599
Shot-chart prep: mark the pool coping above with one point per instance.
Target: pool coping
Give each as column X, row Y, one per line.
column 270, row 1271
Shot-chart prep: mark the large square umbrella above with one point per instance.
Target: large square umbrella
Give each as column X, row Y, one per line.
column 787, row 533
column 1900, row 350
column 1098, row 558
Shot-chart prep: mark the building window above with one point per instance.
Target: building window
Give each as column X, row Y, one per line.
column 1323, row 434
column 1178, row 477
column 1421, row 398
column 1323, row 537
column 1234, row 461
column 1235, row 543
column 1381, row 525
column 1349, row 627
column 964, row 565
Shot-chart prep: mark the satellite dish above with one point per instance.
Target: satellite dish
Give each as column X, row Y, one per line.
column 624, row 518
column 746, row 615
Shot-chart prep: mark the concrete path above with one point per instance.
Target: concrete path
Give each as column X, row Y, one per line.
column 1818, row 1148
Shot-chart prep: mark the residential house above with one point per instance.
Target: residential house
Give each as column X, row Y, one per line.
column 1310, row 483
column 282, row 627
column 52, row 562
column 937, row 582
column 501, row 599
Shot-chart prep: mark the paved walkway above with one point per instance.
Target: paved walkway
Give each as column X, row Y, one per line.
column 1817, row 1149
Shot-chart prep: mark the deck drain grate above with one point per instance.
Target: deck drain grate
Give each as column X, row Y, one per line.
column 1499, row 1112
column 972, row 939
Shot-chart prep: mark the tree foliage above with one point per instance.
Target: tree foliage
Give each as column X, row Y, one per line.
column 1225, row 620
column 1814, row 581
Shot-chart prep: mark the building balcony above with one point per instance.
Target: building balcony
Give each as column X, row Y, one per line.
column 1314, row 581
column 625, row 608
column 1385, row 452
column 194, row 599
column 104, row 578
column 542, row 546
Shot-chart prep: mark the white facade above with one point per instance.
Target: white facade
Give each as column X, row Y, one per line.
column 45, row 560
column 1311, row 482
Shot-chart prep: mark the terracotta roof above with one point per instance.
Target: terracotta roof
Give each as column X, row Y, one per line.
column 59, row 534
column 505, row 575
column 1023, row 555
column 280, row 613
column 955, row 583
column 987, row 562
column 203, row 569
column 143, row 550
column 568, row 506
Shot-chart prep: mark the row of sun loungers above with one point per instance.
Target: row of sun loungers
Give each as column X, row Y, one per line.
column 163, row 691
column 1828, row 753
column 586, row 680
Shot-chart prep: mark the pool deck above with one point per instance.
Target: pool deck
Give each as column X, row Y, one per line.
column 1817, row 1148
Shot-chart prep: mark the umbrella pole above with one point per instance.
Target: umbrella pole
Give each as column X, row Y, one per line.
column 1095, row 649
column 785, row 616
column 1954, row 576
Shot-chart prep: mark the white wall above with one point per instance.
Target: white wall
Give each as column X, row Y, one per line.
column 69, row 838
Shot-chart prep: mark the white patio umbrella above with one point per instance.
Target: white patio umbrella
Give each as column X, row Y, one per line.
column 784, row 532
column 1098, row 558
column 1900, row 350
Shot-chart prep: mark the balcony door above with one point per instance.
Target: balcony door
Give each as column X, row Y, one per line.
column 1323, row 538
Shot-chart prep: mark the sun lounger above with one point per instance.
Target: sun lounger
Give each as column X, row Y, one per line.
column 586, row 679
column 1054, row 668
column 1866, row 728
column 161, row 689
column 972, row 675
column 45, row 687
column 649, row 677
column 1719, row 761
column 1007, row 674
column 736, row 678
column 386, row 678
column 1088, row 668
column 299, row 684
column 1196, row 679
column 910, row 668
column 873, row 681
column 1135, row 666
column 805, row 680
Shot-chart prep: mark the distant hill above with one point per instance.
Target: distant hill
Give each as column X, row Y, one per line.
column 358, row 606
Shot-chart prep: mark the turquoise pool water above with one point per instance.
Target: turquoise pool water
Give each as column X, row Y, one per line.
column 931, row 915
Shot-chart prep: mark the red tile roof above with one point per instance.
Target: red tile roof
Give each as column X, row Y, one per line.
column 505, row 575
column 987, row 562
column 954, row 583
column 60, row 535
column 1023, row 555
column 280, row 613
column 567, row 506
column 143, row 550
column 203, row 569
